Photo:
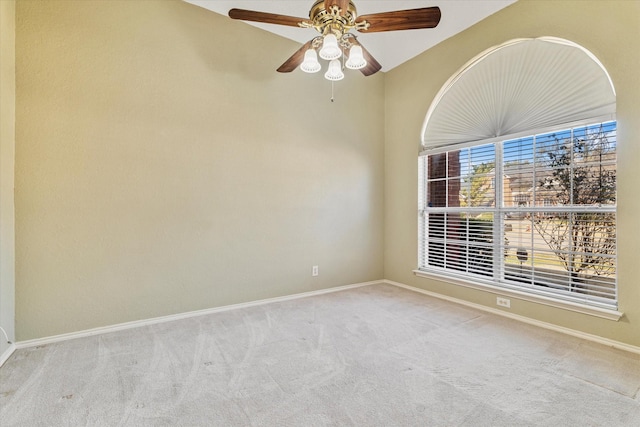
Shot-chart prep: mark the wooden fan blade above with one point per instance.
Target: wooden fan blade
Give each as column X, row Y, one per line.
column 410, row 19
column 267, row 18
column 373, row 66
column 296, row 59
column 342, row 5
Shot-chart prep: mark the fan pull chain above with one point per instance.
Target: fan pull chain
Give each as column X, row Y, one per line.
column 332, row 82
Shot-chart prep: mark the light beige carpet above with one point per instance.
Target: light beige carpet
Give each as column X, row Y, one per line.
column 372, row 356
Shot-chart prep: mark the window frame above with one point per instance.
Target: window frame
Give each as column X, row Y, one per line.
column 601, row 307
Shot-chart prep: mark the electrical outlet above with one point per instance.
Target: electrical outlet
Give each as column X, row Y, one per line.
column 503, row 302
column 314, row 270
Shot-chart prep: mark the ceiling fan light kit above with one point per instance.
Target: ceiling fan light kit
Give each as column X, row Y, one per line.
column 334, row 19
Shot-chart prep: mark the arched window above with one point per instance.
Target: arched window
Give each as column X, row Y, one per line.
column 518, row 175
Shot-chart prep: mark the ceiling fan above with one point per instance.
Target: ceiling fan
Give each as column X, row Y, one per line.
column 333, row 19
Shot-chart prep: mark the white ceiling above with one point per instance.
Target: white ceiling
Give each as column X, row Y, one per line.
column 389, row 48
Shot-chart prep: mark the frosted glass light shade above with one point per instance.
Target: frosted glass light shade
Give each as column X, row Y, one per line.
column 310, row 63
column 356, row 59
column 334, row 73
column 330, row 49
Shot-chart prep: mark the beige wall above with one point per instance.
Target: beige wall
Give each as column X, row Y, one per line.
column 7, row 151
column 611, row 30
column 163, row 166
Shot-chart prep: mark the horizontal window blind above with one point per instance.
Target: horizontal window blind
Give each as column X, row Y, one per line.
column 536, row 213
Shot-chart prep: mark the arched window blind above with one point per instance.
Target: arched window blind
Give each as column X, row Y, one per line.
column 517, row 88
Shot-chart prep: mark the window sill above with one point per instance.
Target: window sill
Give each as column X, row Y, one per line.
column 524, row 296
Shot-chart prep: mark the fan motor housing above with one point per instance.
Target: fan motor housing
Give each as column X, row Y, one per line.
column 323, row 18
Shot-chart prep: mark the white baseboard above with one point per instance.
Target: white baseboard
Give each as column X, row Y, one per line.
column 163, row 319
column 171, row 318
column 7, row 354
column 578, row 334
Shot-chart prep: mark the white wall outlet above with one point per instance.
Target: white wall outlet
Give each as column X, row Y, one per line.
column 314, row 270
column 503, row 302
